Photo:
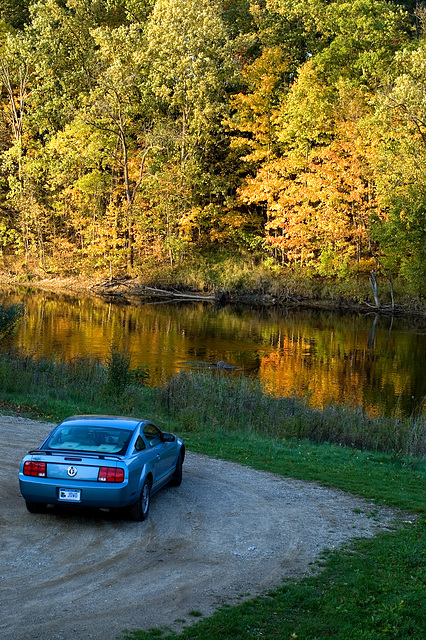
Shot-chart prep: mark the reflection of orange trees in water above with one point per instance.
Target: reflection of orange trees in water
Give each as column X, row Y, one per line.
column 284, row 372
column 321, row 357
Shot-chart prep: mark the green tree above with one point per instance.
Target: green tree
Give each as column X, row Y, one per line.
column 61, row 51
column 355, row 40
column 15, row 12
column 117, row 107
column 191, row 68
column 15, row 79
column 400, row 132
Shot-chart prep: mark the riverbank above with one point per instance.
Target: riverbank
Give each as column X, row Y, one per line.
column 274, row 292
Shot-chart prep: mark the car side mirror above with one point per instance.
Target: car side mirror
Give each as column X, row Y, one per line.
column 168, row 437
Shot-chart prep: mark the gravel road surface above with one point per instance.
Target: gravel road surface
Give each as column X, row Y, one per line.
column 227, row 533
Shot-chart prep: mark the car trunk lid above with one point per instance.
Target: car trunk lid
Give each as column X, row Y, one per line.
column 76, row 467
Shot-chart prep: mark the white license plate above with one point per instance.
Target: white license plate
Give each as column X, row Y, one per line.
column 72, row 495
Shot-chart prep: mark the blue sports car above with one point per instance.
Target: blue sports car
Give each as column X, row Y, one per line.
column 101, row 461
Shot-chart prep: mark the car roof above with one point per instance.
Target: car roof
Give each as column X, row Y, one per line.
column 118, row 422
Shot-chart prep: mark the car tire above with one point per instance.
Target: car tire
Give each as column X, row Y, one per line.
column 176, row 478
column 139, row 510
column 36, row 507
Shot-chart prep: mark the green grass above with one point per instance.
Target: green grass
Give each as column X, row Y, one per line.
column 382, row 477
column 370, row 589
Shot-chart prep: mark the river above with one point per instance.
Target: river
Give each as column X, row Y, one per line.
column 378, row 364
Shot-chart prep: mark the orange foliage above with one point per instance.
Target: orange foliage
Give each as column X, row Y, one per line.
column 324, row 199
column 255, row 109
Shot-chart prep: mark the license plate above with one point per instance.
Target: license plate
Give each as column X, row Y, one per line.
column 72, row 495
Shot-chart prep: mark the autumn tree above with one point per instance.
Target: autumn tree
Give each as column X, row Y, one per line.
column 319, row 189
column 119, row 106
column 137, row 128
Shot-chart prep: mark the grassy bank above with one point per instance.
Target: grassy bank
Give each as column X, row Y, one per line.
column 371, row 589
column 237, row 275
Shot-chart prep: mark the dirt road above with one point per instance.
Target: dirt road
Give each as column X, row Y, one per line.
column 228, row 532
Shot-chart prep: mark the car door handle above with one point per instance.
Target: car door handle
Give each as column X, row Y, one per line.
column 158, row 456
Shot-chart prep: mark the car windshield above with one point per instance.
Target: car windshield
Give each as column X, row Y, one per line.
column 89, row 438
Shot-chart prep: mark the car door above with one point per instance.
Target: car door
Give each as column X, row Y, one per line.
column 165, row 453
column 142, row 459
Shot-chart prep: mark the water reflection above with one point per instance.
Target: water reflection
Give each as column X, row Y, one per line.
column 358, row 360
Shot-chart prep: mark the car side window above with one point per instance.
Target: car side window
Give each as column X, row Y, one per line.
column 152, row 434
column 140, row 444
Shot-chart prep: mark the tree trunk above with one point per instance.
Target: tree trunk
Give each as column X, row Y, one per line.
column 374, row 287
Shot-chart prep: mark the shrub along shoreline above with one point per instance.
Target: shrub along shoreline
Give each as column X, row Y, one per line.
column 370, row 589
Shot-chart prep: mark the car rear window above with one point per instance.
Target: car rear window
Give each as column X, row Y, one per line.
column 96, row 439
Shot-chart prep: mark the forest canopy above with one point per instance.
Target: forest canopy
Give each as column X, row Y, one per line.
column 136, row 132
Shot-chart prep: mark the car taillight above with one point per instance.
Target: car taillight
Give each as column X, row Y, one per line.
column 36, row 469
column 110, row 474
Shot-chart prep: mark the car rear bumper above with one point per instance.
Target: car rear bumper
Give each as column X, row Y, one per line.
column 102, row 495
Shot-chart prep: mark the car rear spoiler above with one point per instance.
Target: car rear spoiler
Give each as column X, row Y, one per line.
column 67, row 452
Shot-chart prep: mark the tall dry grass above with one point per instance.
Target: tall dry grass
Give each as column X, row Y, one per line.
column 214, row 399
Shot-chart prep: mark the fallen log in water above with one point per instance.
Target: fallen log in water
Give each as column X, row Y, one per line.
column 125, row 289
column 186, row 295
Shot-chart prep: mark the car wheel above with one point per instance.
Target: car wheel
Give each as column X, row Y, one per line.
column 139, row 510
column 36, row 507
column 177, row 475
